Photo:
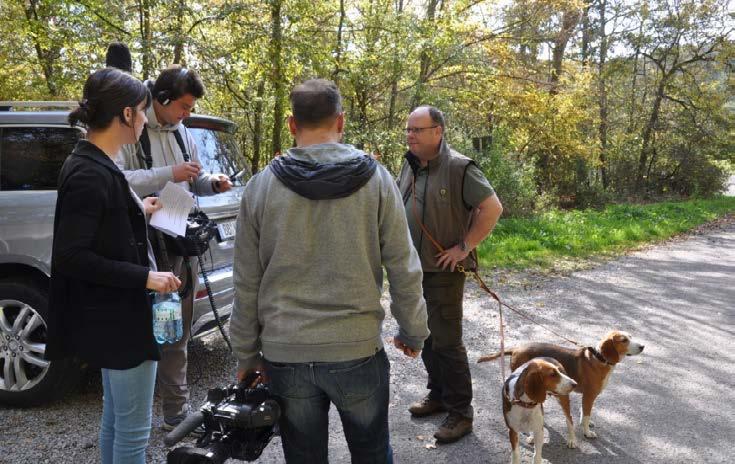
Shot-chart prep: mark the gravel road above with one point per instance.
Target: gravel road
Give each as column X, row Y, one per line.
column 673, row 404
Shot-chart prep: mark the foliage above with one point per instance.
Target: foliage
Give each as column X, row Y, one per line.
column 510, row 176
column 593, row 99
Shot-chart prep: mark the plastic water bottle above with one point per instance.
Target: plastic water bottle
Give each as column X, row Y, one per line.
column 168, row 326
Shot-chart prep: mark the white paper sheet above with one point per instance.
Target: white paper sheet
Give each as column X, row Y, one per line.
column 177, row 202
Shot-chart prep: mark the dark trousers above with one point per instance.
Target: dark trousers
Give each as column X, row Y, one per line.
column 360, row 391
column 444, row 353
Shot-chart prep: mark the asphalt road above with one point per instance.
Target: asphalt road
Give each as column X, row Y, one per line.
column 673, row 404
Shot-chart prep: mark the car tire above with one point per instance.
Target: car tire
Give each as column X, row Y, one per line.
column 26, row 377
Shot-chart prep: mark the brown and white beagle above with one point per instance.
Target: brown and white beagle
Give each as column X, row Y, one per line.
column 589, row 367
column 524, row 393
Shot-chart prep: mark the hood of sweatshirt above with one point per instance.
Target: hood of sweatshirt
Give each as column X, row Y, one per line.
column 325, row 171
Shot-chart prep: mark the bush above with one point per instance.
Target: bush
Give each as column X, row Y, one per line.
column 510, row 177
column 696, row 175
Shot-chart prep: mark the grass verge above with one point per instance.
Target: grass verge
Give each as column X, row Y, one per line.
column 541, row 241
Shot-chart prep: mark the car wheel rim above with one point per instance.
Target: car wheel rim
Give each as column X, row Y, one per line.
column 22, row 346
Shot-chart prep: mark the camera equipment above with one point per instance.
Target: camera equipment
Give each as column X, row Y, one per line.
column 199, row 231
column 238, row 420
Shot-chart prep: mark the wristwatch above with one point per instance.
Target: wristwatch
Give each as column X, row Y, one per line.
column 463, row 246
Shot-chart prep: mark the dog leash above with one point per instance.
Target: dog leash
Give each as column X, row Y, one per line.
column 474, row 274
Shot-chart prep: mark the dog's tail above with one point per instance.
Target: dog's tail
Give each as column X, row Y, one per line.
column 494, row 356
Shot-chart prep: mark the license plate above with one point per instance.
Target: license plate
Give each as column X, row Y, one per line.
column 226, row 230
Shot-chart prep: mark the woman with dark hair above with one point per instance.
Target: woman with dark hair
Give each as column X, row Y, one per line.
column 102, row 267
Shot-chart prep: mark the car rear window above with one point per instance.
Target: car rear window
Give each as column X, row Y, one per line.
column 219, row 154
column 31, row 157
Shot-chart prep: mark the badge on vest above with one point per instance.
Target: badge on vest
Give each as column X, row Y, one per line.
column 443, row 193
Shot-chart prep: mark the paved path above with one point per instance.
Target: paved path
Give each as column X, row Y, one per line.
column 673, row 404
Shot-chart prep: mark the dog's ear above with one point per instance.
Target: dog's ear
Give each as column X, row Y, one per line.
column 536, row 385
column 609, row 352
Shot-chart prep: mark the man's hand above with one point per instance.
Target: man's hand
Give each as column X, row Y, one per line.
column 151, row 205
column 451, row 257
column 221, row 183
column 186, row 171
column 243, row 373
column 411, row 353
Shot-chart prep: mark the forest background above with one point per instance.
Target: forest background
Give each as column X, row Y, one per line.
column 563, row 103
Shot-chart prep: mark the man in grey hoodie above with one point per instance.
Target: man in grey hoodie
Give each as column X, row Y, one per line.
column 315, row 230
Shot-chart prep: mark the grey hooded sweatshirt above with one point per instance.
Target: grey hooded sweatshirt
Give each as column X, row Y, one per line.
column 315, row 230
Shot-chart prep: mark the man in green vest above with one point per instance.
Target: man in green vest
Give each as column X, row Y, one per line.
column 451, row 208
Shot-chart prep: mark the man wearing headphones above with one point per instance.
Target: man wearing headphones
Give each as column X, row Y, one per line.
column 168, row 152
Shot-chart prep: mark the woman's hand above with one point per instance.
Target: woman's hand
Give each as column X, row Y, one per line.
column 151, row 205
column 162, row 282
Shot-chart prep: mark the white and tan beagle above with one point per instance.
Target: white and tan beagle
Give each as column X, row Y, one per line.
column 524, row 393
column 589, row 367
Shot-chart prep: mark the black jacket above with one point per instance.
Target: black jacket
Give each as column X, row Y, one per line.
column 99, row 308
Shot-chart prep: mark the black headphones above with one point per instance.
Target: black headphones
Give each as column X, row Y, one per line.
column 165, row 96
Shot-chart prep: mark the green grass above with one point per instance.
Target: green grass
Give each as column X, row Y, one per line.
column 543, row 240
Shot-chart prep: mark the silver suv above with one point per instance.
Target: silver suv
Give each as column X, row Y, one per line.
column 33, row 146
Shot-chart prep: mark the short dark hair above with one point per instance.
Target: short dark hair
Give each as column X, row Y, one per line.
column 106, row 94
column 437, row 116
column 176, row 81
column 315, row 102
column 118, row 56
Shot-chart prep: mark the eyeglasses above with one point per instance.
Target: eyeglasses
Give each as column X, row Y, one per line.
column 417, row 130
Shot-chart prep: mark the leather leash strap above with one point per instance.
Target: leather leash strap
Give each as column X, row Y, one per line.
column 484, row 287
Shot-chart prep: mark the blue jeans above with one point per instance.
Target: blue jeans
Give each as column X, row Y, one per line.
column 360, row 391
column 126, row 413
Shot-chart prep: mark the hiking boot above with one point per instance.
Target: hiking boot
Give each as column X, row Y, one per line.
column 426, row 407
column 453, row 428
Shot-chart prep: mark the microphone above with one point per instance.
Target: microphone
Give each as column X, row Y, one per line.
column 239, row 175
column 118, row 56
column 187, row 426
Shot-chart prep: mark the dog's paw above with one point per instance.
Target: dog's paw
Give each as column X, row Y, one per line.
column 590, row 434
column 529, row 439
column 572, row 443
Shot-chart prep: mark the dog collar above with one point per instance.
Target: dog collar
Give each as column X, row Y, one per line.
column 510, row 386
column 599, row 356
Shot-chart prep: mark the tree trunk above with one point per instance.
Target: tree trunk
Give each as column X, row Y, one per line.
column 570, row 19
column 258, row 127
column 425, row 58
column 179, row 39
column 586, row 31
column 602, row 85
column 395, row 76
column 46, row 57
column 277, row 74
column 338, row 46
column 569, row 22
column 647, row 131
column 636, row 56
column 144, row 20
